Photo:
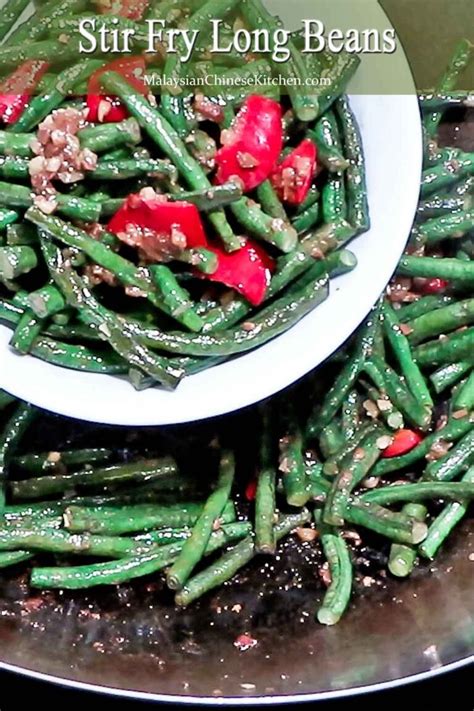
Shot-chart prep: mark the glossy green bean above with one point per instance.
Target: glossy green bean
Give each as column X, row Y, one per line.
column 194, row 548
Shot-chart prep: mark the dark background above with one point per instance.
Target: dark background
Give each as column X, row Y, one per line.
column 15, row 693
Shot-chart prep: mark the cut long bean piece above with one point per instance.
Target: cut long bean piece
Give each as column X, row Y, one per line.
column 386, row 380
column 265, row 497
column 452, row 226
column 331, row 439
column 115, row 521
column 11, row 12
column 422, row 306
column 455, row 347
column 117, row 474
column 449, row 375
column 441, row 321
column 326, row 137
column 228, row 565
column 347, row 377
column 352, row 470
column 454, row 462
column 446, row 175
column 104, row 137
column 402, row 352
column 292, row 464
column 212, row 198
column 395, row 526
column 7, row 217
column 27, row 331
column 106, row 322
column 15, row 144
column 195, row 546
column 421, row 491
column 125, row 569
column 265, row 227
column 337, row 596
column 445, row 522
column 464, row 399
column 402, row 557
column 76, row 208
column 11, row 558
column 47, row 461
column 358, row 208
column 14, row 430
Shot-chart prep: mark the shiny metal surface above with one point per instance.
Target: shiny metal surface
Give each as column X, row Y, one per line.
column 410, row 630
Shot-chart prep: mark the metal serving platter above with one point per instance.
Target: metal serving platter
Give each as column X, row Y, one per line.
column 403, row 632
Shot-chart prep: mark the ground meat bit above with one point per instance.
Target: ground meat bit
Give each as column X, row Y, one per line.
column 248, row 326
column 227, row 298
column 208, row 109
column 203, row 148
column 245, row 642
column 99, row 275
column 94, row 230
column 227, row 137
column 371, row 408
column 178, row 238
column 247, row 160
column 135, row 292
column 438, row 450
column 370, row 482
column 325, row 574
column 459, row 414
column 58, row 156
column 353, row 537
column 399, row 290
column 441, row 422
column 48, row 205
column 293, row 177
column 384, row 441
column 406, row 329
column 359, row 454
column 153, row 246
column 384, row 405
column 307, row 535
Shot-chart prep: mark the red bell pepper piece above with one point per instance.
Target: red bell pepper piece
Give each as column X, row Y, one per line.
column 161, row 224
column 253, row 143
column 403, row 441
column 159, row 218
column 131, row 69
column 16, row 90
column 248, row 271
column 251, row 490
column 433, row 286
column 293, row 177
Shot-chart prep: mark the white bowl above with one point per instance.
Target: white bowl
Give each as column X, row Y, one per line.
column 390, row 126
